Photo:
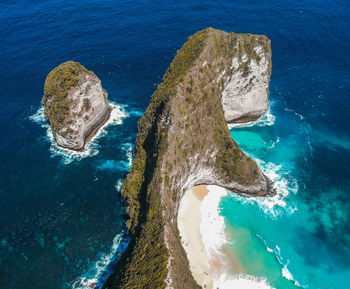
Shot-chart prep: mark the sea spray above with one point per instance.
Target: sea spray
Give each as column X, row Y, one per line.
column 119, row 185
column 91, row 147
column 128, row 147
column 285, row 271
column 282, row 183
column 97, row 274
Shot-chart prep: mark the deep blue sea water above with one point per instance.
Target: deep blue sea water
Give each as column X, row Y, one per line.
column 62, row 218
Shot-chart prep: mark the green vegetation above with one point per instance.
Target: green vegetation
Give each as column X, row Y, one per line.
column 57, row 84
column 190, row 101
column 143, row 265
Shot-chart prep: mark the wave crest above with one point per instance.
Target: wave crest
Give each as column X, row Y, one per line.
column 267, row 119
column 91, row 147
column 241, row 281
column 96, row 276
column 276, row 251
column 275, row 205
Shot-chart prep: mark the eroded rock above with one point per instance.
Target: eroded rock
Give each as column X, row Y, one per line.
column 75, row 104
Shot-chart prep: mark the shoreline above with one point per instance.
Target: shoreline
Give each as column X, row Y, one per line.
column 189, row 219
column 203, row 238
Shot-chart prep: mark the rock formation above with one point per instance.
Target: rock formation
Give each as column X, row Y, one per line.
column 245, row 96
column 75, row 104
column 183, row 140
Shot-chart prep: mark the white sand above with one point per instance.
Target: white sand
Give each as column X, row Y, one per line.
column 204, row 240
column 189, row 219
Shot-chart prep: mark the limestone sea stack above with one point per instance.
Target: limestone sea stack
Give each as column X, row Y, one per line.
column 75, row 104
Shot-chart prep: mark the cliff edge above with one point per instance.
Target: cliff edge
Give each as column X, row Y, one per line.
column 75, row 104
column 183, row 140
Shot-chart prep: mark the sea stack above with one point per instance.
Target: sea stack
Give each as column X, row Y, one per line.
column 183, row 140
column 75, row 104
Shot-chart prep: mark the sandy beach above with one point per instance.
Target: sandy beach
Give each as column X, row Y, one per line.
column 206, row 264
column 189, row 218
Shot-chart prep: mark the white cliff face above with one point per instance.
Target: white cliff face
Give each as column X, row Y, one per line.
column 245, row 94
column 88, row 110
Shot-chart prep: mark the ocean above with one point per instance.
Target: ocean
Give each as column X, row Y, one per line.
column 62, row 220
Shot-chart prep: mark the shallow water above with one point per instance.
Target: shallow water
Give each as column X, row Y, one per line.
column 61, row 215
column 292, row 240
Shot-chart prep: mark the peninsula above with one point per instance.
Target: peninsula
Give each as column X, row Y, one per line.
column 183, row 140
column 75, row 104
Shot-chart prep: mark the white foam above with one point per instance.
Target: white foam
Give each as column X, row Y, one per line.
column 127, row 147
column 284, row 264
column 132, row 111
column 265, row 243
column 212, row 228
column 119, row 185
column 285, row 271
column 241, row 281
column 286, row 274
column 272, row 206
column 91, row 147
column 276, row 204
column 267, row 119
column 96, row 275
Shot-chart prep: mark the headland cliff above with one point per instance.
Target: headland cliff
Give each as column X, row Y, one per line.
column 183, row 140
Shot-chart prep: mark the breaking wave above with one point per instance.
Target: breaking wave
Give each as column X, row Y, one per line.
column 118, row 186
column 91, row 147
column 241, row 281
column 127, row 147
column 267, row 119
column 276, row 204
column 96, row 276
column 276, row 251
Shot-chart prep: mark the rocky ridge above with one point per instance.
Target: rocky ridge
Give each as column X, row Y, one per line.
column 183, row 140
column 75, row 104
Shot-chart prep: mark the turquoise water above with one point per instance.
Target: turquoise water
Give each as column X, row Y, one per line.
column 284, row 239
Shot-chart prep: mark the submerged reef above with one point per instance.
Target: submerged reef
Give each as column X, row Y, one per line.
column 183, row 140
column 75, row 104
